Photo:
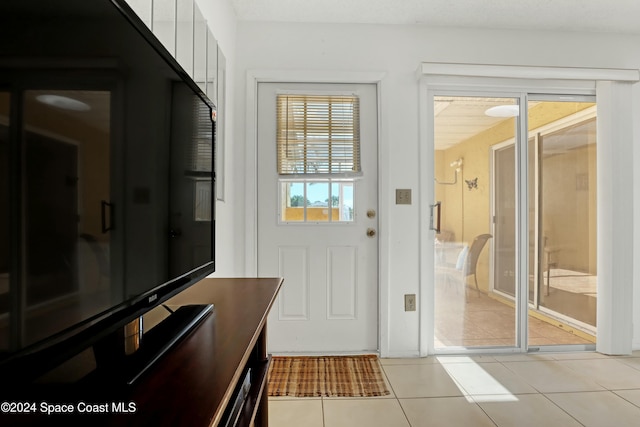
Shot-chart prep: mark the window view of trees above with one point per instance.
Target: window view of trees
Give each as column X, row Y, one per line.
column 309, row 201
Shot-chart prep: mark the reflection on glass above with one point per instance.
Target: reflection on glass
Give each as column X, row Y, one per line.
column 505, row 219
column 5, row 103
column 468, row 311
column 191, row 182
column 317, row 201
column 318, row 205
column 563, row 224
column 476, row 285
column 67, row 193
column 101, row 213
column 342, row 201
column 293, row 202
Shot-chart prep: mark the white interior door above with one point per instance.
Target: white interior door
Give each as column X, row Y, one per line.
column 319, row 232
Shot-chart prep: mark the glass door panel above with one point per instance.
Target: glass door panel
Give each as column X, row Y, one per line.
column 504, row 222
column 469, row 312
column 5, row 226
column 562, row 221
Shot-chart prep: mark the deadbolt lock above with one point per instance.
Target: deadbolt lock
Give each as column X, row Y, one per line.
column 371, row 213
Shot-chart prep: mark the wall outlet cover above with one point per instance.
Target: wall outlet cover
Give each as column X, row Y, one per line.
column 410, row 302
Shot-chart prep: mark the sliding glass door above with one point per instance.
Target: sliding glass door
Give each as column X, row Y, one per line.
column 481, row 146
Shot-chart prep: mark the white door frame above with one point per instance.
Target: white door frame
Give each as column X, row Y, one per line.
column 613, row 88
column 254, row 77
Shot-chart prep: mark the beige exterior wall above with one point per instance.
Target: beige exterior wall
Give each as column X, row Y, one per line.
column 314, row 214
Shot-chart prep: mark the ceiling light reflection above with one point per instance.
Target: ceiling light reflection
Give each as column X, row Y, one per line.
column 503, row 111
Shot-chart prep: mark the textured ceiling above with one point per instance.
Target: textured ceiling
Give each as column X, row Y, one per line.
column 617, row 16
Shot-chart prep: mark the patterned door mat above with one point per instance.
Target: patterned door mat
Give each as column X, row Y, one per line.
column 327, row 376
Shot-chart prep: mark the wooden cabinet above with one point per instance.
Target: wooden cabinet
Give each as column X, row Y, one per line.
column 204, row 372
column 195, row 383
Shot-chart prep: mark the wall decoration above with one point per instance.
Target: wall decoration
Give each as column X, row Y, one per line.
column 472, row 183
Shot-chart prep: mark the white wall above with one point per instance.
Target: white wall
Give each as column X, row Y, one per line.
column 397, row 51
column 221, row 19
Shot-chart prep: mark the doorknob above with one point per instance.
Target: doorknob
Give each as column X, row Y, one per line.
column 371, row 232
column 371, row 213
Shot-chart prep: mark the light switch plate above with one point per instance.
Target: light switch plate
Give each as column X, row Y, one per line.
column 403, row 196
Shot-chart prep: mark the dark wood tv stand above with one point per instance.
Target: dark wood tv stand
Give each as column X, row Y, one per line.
column 195, row 383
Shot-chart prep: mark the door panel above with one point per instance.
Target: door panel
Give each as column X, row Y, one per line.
column 293, row 263
column 467, row 312
column 342, row 282
column 505, row 220
column 313, row 232
column 563, row 221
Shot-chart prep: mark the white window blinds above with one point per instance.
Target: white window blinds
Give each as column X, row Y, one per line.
column 200, row 160
column 202, row 155
column 318, row 135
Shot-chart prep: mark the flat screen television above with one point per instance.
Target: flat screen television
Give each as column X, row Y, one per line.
column 107, row 181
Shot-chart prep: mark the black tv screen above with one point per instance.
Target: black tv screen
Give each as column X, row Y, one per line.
column 106, row 172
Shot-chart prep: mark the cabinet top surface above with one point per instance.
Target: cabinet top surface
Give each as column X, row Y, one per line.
column 196, row 380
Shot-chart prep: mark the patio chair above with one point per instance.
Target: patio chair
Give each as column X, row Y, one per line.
column 467, row 262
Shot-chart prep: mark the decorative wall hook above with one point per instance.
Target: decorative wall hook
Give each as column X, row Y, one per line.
column 472, row 183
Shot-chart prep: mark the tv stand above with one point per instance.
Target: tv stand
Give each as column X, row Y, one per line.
column 198, row 381
column 215, row 375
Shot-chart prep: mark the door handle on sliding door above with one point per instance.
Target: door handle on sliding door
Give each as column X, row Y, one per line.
column 103, row 208
column 437, row 206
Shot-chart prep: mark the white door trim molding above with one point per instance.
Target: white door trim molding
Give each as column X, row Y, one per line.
column 528, row 72
column 254, row 77
column 615, row 213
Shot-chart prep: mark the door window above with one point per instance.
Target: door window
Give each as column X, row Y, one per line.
column 318, row 143
column 314, row 201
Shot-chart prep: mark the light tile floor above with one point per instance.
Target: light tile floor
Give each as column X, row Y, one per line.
column 542, row 390
column 470, row 319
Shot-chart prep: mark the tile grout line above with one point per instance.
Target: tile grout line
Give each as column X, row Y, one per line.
column 406, row 417
column 624, row 398
column 388, row 381
column 395, row 395
column 561, row 408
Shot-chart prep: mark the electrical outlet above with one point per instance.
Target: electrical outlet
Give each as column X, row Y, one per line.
column 410, row 302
